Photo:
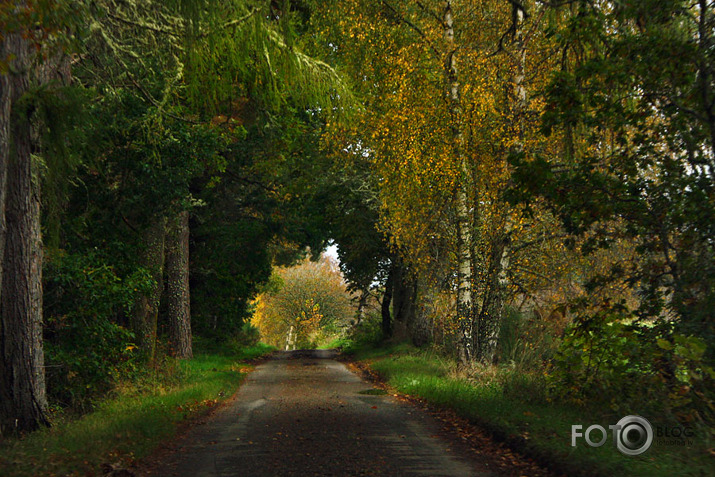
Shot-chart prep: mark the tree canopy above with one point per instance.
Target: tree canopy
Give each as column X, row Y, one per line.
column 163, row 164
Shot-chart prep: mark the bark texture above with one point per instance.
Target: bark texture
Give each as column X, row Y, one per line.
column 23, row 401
column 177, row 286
column 7, row 89
column 421, row 328
column 146, row 309
column 404, row 294
column 489, row 320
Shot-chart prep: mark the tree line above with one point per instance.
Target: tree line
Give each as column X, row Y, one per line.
column 471, row 160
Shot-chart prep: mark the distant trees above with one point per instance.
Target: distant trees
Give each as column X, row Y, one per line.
column 304, row 305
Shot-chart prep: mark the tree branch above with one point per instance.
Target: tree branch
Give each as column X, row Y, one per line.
column 156, row 104
column 146, row 26
column 230, row 24
column 417, row 29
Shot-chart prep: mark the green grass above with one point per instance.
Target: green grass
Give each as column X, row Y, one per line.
column 130, row 425
column 256, row 351
column 526, row 421
column 336, row 343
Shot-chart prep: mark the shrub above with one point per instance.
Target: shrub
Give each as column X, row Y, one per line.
column 608, row 359
column 87, row 350
column 246, row 337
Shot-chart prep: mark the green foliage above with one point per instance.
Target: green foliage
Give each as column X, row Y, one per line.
column 365, row 334
column 247, row 338
column 87, row 351
column 607, row 359
column 258, row 54
column 263, row 209
column 601, row 362
column 632, row 108
column 258, row 350
column 634, row 115
column 59, row 109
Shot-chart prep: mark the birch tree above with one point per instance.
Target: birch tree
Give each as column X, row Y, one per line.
column 448, row 105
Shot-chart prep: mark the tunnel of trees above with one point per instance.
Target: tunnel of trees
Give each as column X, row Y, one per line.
column 472, row 160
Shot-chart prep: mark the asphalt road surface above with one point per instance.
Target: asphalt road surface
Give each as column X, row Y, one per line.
column 305, row 414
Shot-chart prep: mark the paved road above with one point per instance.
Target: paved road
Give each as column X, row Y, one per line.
column 305, row 414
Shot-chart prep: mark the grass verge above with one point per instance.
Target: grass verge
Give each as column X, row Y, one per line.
column 131, row 425
column 529, row 424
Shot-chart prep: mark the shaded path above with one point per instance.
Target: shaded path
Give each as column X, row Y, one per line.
column 305, row 414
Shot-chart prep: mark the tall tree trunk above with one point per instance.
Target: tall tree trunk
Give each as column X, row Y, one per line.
column 7, row 90
column 146, row 309
column 23, row 401
column 419, row 327
column 403, row 302
column 489, row 320
column 177, row 285
column 386, row 303
column 465, row 306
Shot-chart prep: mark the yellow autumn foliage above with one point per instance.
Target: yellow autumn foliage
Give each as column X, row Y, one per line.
column 303, row 305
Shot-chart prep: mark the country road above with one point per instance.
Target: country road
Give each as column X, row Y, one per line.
column 305, row 414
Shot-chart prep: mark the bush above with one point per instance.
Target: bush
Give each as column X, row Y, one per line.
column 364, row 334
column 247, row 337
column 87, row 351
column 608, row 359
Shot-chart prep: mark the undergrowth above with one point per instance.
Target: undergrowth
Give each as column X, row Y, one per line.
column 516, row 408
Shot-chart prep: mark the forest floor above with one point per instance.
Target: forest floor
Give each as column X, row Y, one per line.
column 304, row 413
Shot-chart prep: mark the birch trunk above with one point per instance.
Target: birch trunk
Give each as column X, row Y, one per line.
column 465, row 307
column 490, row 316
column 177, row 285
column 489, row 321
column 146, row 309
